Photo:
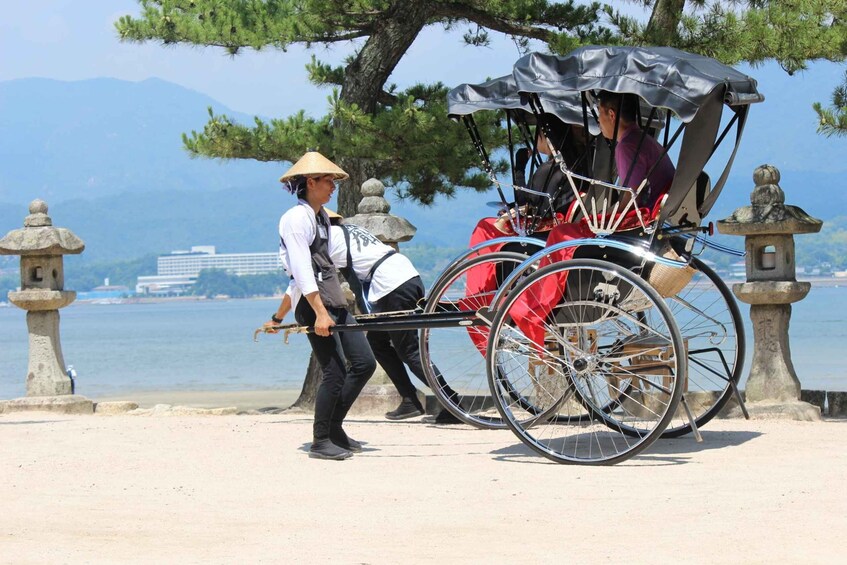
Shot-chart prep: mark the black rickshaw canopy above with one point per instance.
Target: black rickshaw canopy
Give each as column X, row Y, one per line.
column 693, row 87
column 664, row 77
column 502, row 94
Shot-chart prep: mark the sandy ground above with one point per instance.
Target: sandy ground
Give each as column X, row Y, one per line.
column 241, row 489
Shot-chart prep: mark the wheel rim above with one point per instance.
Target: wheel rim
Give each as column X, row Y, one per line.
column 452, row 361
column 618, row 361
column 711, row 326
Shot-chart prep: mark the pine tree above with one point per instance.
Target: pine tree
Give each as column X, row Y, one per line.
column 403, row 137
column 792, row 32
column 373, row 129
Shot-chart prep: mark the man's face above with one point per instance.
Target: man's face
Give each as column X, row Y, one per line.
column 606, row 117
column 321, row 188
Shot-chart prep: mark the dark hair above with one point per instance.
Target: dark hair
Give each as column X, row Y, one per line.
column 626, row 105
column 297, row 185
column 557, row 129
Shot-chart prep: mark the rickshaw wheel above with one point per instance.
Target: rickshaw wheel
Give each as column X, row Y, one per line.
column 611, row 348
column 710, row 322
column 451, row 359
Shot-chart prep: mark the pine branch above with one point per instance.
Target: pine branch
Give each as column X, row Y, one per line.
column 237, row 24
column 833, row 120
column 411, row 145
column 464, row 11
column 564, row 23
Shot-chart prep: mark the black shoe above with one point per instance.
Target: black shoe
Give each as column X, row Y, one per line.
column 407, row 409
column 444, row 418
column 325, row 449
column 342, row 440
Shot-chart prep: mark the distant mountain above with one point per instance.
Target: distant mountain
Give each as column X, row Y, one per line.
column 138, row 223
column 92, row 138
column 235, row 220
column 107, row 156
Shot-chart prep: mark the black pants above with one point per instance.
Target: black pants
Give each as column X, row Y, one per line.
column 339, row 387
column 394, row 348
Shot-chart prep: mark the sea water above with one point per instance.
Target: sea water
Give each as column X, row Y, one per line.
column 208, row 345
column 170, row 345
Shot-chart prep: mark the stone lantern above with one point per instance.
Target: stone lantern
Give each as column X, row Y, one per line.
column 773, row 389
column 372, row 214
column 42, row 293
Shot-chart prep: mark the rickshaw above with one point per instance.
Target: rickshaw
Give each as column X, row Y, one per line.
column 453, row 365
column 635, row 336
column 704, row 308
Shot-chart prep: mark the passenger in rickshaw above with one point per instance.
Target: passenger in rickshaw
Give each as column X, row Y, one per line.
column 484, row 279
column 547, row 178
column 637, row 156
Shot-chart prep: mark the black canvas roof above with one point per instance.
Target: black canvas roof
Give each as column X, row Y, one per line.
column 663, row 76
column 502, row 94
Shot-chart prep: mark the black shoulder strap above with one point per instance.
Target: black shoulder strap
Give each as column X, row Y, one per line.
column 376, row 265
column 366, row 284
column 350, row 275
column 347, row 247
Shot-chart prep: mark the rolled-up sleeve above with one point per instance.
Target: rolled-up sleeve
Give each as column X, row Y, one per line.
column 298, row 232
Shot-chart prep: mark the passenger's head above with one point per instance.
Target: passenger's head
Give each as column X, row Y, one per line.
column 613, row 106
column 557, row 131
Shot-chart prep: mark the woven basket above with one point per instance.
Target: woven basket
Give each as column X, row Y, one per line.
column 669, row 281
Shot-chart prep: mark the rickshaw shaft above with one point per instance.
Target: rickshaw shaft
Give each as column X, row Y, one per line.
column 413, row 322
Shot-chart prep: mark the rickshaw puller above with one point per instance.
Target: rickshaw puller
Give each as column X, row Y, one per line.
column 304, row 233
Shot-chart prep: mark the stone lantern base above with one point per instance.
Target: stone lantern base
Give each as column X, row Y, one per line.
column 65, row 404
column 787, row 410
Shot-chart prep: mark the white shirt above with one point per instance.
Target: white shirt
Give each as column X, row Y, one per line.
column 297, row 230
column 365, row 250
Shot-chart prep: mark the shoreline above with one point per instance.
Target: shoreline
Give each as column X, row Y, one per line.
column 240, row 399
column 823, row 282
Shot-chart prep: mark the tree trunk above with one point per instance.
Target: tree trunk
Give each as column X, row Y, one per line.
column 365, row 78
column 662, row 27
column 306, row 400
column 350, row 193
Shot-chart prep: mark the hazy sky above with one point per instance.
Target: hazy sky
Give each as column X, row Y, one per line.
column 68, row 40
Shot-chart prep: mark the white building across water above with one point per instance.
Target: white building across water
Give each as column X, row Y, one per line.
column 179, row 270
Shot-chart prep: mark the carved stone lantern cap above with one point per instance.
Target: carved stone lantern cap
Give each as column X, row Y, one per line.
column 373, row 215
column 39, row 237
column 768, row 214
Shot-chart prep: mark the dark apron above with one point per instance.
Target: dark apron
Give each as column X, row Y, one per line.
column 326, row 275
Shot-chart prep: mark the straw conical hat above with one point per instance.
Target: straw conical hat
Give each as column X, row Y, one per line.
column 313, row 163
column 333, row 214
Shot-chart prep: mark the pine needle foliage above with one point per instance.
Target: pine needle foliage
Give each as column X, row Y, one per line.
column 833, row 120
column 791, row 32
column 402, row 137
